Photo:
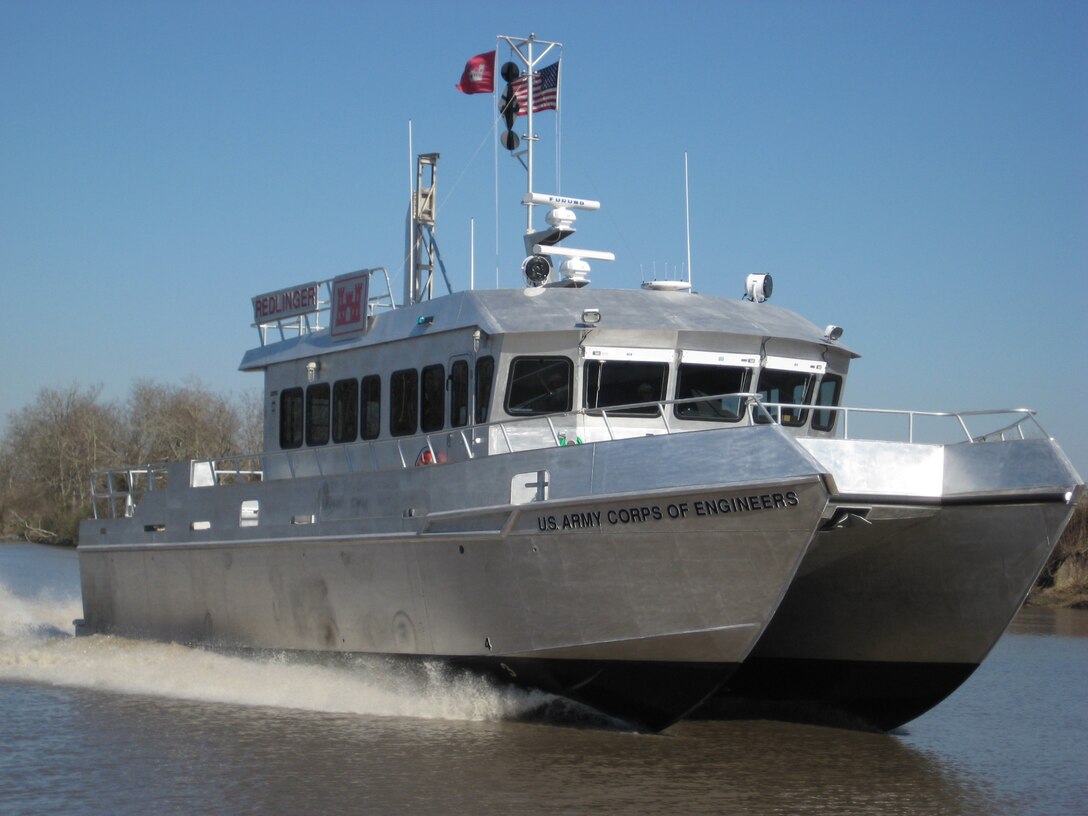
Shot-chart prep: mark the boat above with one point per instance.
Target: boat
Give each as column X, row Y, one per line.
column 647, row 500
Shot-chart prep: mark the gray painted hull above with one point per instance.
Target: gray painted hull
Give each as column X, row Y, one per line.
column 636, row 588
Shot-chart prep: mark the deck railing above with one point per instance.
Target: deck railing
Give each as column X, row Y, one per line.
column 116, row 491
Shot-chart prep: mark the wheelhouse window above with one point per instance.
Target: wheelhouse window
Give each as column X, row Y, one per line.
column 701, row 380
column 459, row 394
column 610, row 383
column 317, row 414
column 828, row 393
column 433, row 408
column 485, row 379
column 404, row 402
column 790, row 387
column 345, row 410
column 539, row 385
column 370, row 423
column 291, row 414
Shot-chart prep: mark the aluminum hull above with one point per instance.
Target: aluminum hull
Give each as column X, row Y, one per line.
column 909, row 583
column 614, row 588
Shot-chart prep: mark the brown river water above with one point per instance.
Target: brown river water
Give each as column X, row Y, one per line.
column 110, row 726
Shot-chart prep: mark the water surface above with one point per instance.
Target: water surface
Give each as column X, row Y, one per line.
column 108, row 725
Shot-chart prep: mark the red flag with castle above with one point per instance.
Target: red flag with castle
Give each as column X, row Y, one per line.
column 479, row 74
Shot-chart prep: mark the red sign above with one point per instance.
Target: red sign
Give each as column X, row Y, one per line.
column 297, row 300
column 350, row 295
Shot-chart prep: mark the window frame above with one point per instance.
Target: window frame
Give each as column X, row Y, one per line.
column 345, row 412
column 689, row 369
column 404, row 402
column 314, row 424
column 459, row 393
column 484, row 388
column 432, row 398
column 293, row 411
column 554, row 407
column 365, row 412
column 605, row 365
column 821, row 408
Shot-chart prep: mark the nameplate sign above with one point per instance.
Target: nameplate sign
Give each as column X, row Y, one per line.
column 285, row 303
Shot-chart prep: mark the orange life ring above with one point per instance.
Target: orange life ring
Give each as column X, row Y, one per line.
column 427, row 457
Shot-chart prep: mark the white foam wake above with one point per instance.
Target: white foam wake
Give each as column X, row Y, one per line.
column 37, row 646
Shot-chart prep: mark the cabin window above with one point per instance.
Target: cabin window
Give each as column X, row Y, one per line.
column 485, row 379
column 459, row 394
column 789, row 387
column 623, row 382
column 433, row 408
column 698, row 380
column 291, row 418
column 827, row 394
column 317, row 414
column 404, row 402
column 539, row 385
column 371, row 421
column 345, row 410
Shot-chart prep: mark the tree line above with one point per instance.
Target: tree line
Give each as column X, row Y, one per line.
column 51, row 446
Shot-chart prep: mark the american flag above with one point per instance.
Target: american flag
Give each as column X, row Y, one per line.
column 545, row 90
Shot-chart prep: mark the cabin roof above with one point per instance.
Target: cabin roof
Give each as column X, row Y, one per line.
column 509, row 311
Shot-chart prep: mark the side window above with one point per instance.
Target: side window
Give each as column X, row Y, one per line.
column 404, row 402
column 433, row 409
column 345, row 410
column 317, row 414
column 698, row 380
column 539, row 385
column 291, row 418
column 485, row 379
column 371, row 422
column 828, row 393
column 619, row 382
column 459, row 394
column 788, row 387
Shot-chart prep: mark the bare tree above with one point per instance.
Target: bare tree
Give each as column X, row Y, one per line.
column 251, row 416
column 52, row 446
column 176, row 422
column 48, row 453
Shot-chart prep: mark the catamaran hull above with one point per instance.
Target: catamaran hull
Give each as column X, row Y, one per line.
column 897, row 602
column 640, row 604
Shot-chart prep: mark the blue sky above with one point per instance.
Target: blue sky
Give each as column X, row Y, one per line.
column 915, row 172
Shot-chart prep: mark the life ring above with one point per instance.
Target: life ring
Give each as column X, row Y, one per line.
column 428, row 457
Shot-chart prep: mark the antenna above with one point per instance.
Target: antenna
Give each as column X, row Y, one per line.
column 687, row 216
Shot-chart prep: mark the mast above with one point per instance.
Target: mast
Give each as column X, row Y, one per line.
column 523, row 47
column 540, row 245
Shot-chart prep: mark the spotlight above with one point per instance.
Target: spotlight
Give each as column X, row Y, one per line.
column 758, row 288
column 536, row 269
column 832, row 332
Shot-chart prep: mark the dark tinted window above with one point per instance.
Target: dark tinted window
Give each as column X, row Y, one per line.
column 291, row 418
column 317, row 414
column 788, row 387
column 404, row 402
column 827, row 394
column 622, row 382
column 539, row 385
column 434, row 398
column 345, row 410
column 459, row 394
column 371, row 423
column 696, row 380
column 485, row 379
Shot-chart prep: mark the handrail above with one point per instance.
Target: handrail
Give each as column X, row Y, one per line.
column 115, row 491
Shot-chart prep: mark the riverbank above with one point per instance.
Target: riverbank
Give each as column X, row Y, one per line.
column 1064, row 580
